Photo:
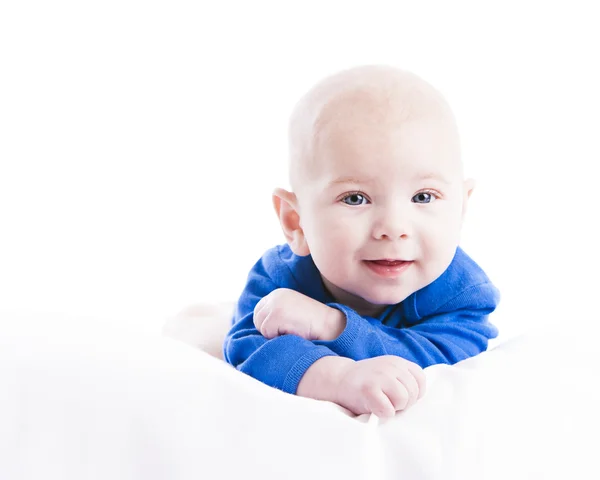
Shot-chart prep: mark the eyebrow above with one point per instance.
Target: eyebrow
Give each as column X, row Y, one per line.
column 433, row 176
column 350, row 180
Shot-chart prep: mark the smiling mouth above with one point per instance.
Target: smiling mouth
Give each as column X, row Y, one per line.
column 389, row 263
column 388, row 268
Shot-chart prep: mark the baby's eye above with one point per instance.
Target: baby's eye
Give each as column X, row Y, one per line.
column 355, row 199
column 423, row 197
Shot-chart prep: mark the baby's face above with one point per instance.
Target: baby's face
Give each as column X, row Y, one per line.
column 381, row 208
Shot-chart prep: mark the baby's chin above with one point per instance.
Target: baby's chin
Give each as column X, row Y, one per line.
column 385, row 300
column 378, row 301
column 368, row 301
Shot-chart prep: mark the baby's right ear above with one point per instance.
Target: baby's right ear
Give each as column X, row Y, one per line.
column 286, row 208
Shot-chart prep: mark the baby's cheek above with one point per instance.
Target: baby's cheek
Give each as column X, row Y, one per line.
column 334, row 234
column 441, row 261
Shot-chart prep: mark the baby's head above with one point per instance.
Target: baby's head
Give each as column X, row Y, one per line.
column 378, row 194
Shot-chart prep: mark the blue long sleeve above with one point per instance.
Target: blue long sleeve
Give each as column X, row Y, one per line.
column 280, row 362
column 445, row 337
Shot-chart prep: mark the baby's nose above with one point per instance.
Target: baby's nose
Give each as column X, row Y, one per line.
column 392, row 225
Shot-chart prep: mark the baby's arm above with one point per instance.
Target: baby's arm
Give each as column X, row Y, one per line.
column 445, row 338
column 279, row 362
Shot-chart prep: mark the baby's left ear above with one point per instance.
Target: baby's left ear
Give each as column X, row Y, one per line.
column 468, row 186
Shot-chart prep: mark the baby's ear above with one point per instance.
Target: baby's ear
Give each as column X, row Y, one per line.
column 468, row 187
column 286, row 208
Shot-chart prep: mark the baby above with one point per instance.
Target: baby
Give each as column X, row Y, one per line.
column 371, row 286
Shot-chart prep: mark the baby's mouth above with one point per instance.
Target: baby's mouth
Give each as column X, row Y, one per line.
column 388, row 268
column 387, row 263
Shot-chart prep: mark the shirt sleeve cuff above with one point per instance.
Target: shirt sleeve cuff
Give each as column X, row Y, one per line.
column 293, row 377
column 345, row 341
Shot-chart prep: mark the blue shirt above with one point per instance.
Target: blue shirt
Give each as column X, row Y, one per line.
column 444, row 322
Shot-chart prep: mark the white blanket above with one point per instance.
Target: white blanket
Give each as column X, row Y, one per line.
column 80, row 401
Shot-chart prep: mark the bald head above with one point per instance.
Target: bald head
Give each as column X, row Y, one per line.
column 375, row 98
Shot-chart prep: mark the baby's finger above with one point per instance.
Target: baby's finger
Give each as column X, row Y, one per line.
column 407, row 379
column 259, row 319
column 419, row 376
column 379, row 404
column 269, row 327
column 397, row 394
column 260, row 305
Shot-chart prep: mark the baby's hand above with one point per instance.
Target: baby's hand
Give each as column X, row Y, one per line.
column 287, row 312
column 380, row 385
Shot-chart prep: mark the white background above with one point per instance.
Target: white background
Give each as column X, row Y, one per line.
column 140, row 143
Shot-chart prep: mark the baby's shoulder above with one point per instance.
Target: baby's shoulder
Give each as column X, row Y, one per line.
column 284, row 268
column 463, row 272
column 463, row 284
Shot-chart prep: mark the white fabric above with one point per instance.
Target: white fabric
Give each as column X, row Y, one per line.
column 82, row 401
